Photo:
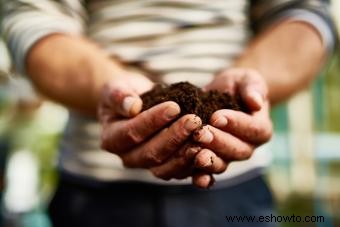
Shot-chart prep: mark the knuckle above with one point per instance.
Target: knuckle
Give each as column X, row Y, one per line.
column 149, row 118
column 133, row 135
column 174, row 141
column 177, row 135
column 150, row 158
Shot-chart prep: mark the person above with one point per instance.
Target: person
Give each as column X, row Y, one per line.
column 98, row 57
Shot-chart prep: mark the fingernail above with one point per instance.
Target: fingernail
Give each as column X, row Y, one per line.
column 257, row 97
column 190, row 125
column 205, row 136
column 128, row 103
column 220, row 122
column 172, row 111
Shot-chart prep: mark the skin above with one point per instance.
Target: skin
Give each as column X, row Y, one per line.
column 279, row 62
column 59, row 62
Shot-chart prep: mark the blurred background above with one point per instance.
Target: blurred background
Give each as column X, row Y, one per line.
column 304, row 174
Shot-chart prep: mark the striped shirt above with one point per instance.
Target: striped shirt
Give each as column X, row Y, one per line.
column 173, row 40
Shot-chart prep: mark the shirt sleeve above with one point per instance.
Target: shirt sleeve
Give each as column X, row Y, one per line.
column 24, row 22
column 264, row 13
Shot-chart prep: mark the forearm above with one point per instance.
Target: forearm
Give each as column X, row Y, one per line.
column 70, row 70
column 288, row 56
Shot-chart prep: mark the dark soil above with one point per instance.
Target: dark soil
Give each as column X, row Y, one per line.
column 192, row 99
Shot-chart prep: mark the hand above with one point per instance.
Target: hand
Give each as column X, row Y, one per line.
column 120, row 97
column 234, row 135
column 146, row 140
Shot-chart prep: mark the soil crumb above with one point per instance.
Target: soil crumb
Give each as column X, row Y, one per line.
column 192, row 99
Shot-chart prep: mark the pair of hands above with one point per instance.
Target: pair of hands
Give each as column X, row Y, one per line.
column 146, row 140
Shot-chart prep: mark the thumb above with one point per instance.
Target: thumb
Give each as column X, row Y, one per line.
column 122, row 100
column 253, row 90
column 131, row 106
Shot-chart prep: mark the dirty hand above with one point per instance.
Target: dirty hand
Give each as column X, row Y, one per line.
column 145, row 139
column 234, row 135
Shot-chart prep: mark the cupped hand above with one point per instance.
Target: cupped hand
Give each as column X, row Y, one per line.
column 234, row 135
column 153, row 139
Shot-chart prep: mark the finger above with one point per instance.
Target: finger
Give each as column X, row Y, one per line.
column 227, row 80
column 209, row 162
column 225, row 145
column 253, row 89
column 122, row 96
column 120, row 136
column 256, row 128
column 179, row 166
column 164, row 144
column 248, row 82
column 131, row 105
column 121, row 99
column 203, row 180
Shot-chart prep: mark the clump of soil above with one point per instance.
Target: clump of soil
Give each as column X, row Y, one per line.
column 192, row 99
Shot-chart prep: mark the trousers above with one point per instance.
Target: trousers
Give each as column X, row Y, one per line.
column 136, row 204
